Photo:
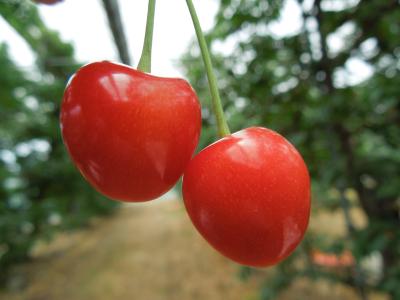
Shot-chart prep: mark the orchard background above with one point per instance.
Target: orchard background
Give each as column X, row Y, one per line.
column 300, row 84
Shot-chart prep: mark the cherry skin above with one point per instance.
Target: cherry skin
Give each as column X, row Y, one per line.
column 129, row 133
column 248, row 195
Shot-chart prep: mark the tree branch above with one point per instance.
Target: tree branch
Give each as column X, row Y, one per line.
column 114, row 18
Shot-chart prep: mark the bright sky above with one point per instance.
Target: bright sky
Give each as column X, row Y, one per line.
column 83, row 22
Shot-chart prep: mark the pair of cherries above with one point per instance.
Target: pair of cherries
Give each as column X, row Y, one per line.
column 132, row 136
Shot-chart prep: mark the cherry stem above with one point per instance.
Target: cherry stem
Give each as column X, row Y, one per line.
column 222, row 125
column 145, row 59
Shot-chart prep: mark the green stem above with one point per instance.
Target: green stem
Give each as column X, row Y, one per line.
column 223, row 128
column 145, row 59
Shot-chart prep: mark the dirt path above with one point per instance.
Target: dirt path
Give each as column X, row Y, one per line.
column 145, row 252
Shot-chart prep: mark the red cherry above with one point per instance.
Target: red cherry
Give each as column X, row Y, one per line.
column 129, row 133
column 48, row 1
column 248, row 194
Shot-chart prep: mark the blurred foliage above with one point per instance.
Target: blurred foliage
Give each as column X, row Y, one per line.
column 40, row 190
column 300, row 84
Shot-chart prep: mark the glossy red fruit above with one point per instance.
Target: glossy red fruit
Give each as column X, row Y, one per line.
column 130, row 134
column 248, row 194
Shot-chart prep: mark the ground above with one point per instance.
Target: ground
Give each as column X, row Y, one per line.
column 146, row 252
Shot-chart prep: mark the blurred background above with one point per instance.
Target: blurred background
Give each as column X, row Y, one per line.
column 324, row 73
